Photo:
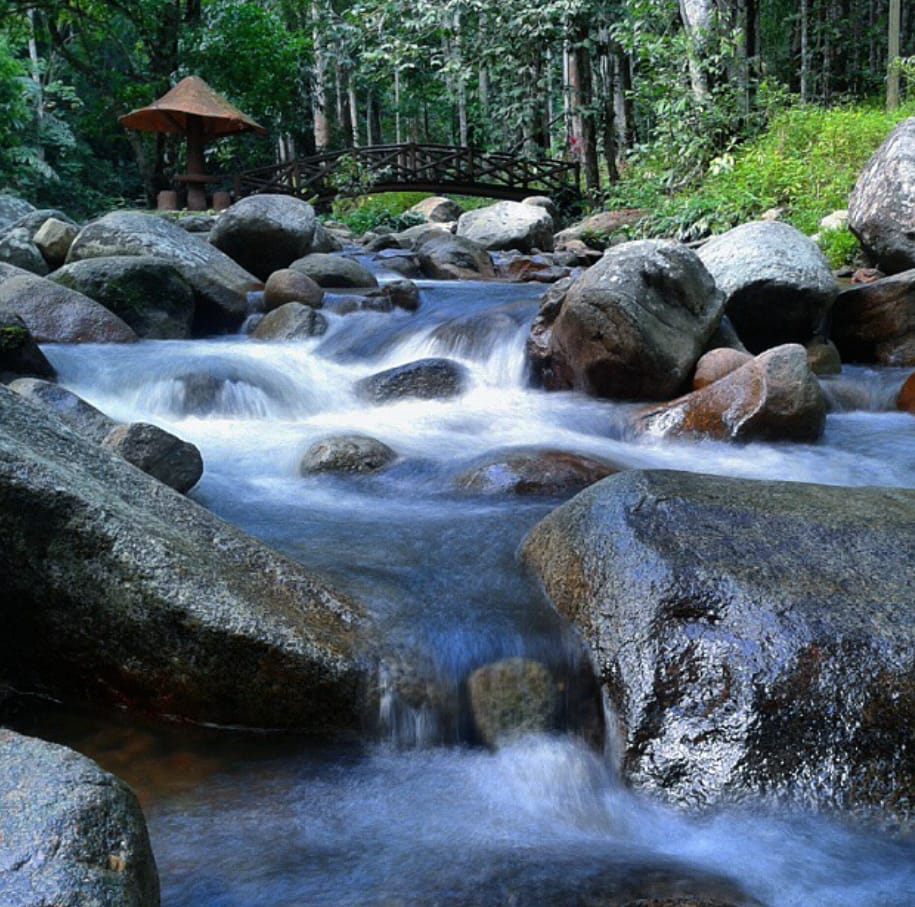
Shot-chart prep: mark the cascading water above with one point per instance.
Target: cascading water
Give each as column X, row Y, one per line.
column 543, row 820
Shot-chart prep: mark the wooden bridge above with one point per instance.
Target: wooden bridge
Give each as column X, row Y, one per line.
column 412, row 167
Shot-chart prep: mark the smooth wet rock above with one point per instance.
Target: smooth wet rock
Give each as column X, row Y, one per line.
column 476, row 334
column 511, row 698
column 12, row 208
column 447, row 257
column 292, row 321
column 881, row 211
column 334, row 271
column 220, row 285
column 875, row 321
column 87, row 421
column 400, row 262
column 426, row 379
column 53, row 239
column 906, row 399
column 755, row 639
column 265, row 232
column 778, row 286
column 508, row 225
column 72, row 835
column 149, row 294
column 325, row 240
column 158, row 453
column 823, row 358
column 534, row 472
column 19, row 353
column 437, row 209
column 141, row 597
column 774, row 397
column 631, row 327
column 287, row 285
column 17, row 248
column 403, row 293
column 347, row 454
column 56, row 314
column 717, row 363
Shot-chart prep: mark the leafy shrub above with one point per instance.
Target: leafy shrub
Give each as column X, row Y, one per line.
column 841, row 247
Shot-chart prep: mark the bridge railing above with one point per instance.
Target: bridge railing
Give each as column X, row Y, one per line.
column 462, row 170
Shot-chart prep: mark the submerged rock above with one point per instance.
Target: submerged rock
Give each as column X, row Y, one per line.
column 632, row 326
column 774, row 397
column 265, row 232
column 754, row 638
column 427, row 379
column 118, row 589
column 158, row 453
column 347, row 453
column 72, row 835
column 906, row 399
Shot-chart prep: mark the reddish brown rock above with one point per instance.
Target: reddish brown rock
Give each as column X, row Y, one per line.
column 716, row 364
column 774, row 397
column 286, row 285
column 906, row 399
column 875, row 322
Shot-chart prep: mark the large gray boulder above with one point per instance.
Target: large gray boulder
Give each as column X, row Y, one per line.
column 632, row 326
column 447, row 257
column 220, row 285
column 158, row 453
column 777, row 283
column 87, row 421
column 19, row 353
column 264, row 233
column 72, row 835
column 17, row 248
column 508, row 225
column 12, row 208
column 291, row 321
column 437, row 210
column 148, row 293
column 753, row 638
column 33, row 221
column 115, row 587
column 334, row 271
column 881, row 211
column 875, row 322
column 56, row 314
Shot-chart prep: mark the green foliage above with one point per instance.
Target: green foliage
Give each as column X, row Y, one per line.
column 385, row 209
column 805, row 163
column 841, row 247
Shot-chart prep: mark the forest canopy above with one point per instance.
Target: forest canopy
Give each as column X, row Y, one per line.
column 606, row 82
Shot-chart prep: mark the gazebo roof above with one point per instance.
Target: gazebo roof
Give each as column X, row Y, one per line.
column 191, row 97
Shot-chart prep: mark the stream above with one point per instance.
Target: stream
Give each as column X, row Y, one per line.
column 415, row 816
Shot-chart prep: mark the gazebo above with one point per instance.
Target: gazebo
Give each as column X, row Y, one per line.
column 194, row 110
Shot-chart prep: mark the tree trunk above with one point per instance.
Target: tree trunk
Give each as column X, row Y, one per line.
column 805, row 51
column 892, row 55
column 698, row 20
column 319, row 90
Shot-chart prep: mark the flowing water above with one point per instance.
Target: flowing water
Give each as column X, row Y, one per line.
column 419, row 818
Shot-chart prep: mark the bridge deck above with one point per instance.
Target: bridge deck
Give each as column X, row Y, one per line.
column 412, row 167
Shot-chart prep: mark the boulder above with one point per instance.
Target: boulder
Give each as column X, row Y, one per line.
column 716, row 364
column 197, row 223
column 823, row 357
column 399, row 261
column 17, row 248
column 725, row 336
column 534, row 472
column 220, row 285
column 631, row 327
column 53, row 239
column 545, row 202
column 147, row 293
column 753, row 638
column 403, row 293
column 73, row 835
column 264, row 233
column 347, row 453
column 140, row 596
column 33, row 221
column 12, row 208
column 875, row 322
column 19, row 353
column 508, row 225
column 292, row 321
column 777, row 283
column 334, row 271
column 512, row 697
column 324, row 240
column 447, row 257
column 427, row 379
column 906, row 399
column 437, row 209
column 287, row 285
column 55, row 314
column 881, row 211
column 158, row 453
column 774, row 397
column 87, row 421
column 416, row 237
column 598, row 229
